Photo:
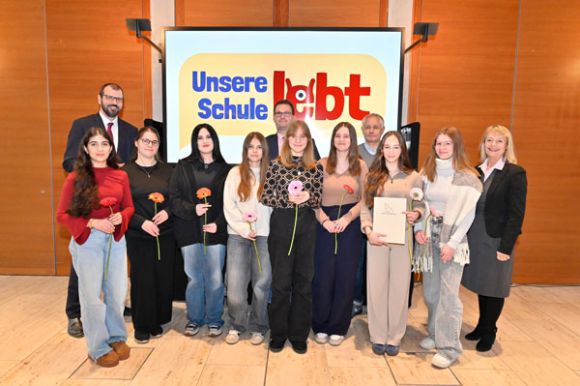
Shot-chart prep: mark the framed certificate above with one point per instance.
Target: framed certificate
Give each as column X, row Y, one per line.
column 389, row 218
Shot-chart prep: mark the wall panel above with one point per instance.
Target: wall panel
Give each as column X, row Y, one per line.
column 26, row 234
column 226, row 13
column 465, row 74
column 336, row 13
column 84, row 52
column 545, row 124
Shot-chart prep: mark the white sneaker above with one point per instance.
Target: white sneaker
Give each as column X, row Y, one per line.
column 215, row 331
column 257, row 338
column 233, row 337
column 321, row 338
column 336, row 340
column 441, row 361
column 427, row 343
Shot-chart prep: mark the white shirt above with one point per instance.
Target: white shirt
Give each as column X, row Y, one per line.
column 487, row 172
column 114, row 128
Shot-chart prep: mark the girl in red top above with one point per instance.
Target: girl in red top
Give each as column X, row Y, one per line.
column 96, row 206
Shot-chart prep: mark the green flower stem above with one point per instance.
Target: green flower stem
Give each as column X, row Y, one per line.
column 157, row 237
column 256, row 249
column 109, row 252
column 294, row 230
column 337, row 217
column 205, row 223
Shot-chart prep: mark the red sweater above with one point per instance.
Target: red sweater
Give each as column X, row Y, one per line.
column 111, row 183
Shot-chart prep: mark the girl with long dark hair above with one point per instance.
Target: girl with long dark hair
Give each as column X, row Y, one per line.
column 196, row 190
column 96, row 207
column 338, row 237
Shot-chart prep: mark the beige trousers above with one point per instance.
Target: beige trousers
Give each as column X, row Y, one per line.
column 388, row 277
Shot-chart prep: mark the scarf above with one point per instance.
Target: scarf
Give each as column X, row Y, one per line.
column 463, row 195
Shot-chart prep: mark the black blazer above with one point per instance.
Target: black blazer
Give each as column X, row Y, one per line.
column 127, row 135
column 505, row 205
column 274, row 152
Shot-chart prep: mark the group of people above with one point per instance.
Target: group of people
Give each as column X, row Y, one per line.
column 287, row 225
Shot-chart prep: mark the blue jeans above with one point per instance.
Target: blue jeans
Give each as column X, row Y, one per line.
column 204, row 294
column 441, row 293
column 242, row 268
column 102, row 318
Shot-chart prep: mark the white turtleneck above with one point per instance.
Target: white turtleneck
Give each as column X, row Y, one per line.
column 437, row 192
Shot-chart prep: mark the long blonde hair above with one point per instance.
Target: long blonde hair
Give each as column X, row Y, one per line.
column 285, row 158
column 460, row 158
column 510, row 150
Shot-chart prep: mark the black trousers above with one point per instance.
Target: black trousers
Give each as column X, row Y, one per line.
column 489, row 312
column 335, row 275
column 73, row 305
column 290, row 311
column 151, row 281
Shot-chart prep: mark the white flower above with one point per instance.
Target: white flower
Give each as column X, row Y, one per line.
column 416, row 194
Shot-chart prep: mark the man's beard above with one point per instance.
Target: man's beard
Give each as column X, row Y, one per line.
column 111, row 111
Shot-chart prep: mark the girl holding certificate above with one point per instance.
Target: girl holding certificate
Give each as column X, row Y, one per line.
column 338, row 237
column 452, row 189
column 389, row 265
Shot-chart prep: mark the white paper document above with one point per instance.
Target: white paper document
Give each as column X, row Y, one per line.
column 389, row 218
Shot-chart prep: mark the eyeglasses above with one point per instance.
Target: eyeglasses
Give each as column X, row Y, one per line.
column 283, row 114
column 111, row 98
column 150, row 142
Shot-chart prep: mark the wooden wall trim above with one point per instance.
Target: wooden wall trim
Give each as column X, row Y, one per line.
column 281, row 13
column 383, row 13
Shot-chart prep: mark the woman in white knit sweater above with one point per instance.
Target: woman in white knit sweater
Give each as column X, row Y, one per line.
column 248, row 259
column 452, row 189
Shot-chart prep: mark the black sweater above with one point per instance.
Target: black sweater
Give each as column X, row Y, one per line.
column 144, row 181
column 183, row 188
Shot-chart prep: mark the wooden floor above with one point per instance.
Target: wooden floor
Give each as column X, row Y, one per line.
column 538, row 344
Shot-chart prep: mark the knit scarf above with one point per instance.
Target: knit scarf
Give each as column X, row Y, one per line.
column 463, row 195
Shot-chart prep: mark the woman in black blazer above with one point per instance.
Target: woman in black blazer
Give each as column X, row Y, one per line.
column 497, row 225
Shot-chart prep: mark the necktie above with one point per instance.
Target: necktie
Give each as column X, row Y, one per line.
column 110, row 131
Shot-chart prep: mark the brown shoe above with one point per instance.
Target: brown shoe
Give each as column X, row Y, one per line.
column 121, row 349
column 110, row 359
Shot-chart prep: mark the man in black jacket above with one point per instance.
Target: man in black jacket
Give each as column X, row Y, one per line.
column 110, row 100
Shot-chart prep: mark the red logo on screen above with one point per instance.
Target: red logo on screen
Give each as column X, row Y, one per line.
column 320, row 100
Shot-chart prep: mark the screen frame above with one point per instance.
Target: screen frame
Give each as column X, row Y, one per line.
column 400, row 30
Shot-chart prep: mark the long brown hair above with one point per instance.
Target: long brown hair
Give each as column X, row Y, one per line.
column 460, row 158
column 379, row 173
column 86, row 192
column 354, row 168
column 246, row 175
column 285, row 157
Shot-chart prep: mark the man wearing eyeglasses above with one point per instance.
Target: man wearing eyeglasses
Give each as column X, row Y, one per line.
column 283, row 115
column 110, row 100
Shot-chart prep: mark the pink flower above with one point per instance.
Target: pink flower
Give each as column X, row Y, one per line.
column 250, row 216
column 295, row 187
column 435, row 213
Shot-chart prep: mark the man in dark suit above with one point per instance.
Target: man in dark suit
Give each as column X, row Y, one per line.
column 283, row 115
column 110, row 100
